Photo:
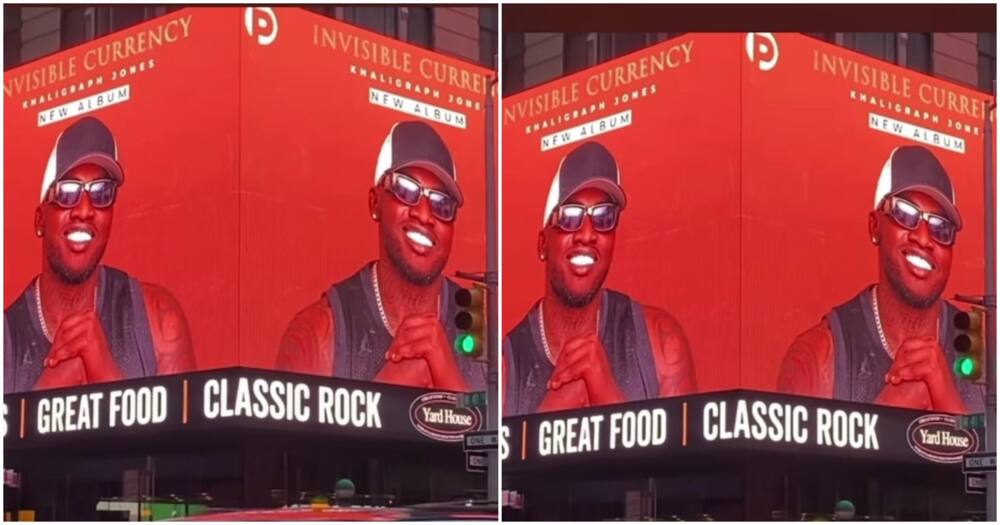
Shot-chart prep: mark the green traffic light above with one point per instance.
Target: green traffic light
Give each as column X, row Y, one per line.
column 466, row 343
column 965, row 366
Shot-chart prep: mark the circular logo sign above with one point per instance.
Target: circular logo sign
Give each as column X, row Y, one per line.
column 261, row 22
column 935, row 437
column 762, row 49
column 438, row 416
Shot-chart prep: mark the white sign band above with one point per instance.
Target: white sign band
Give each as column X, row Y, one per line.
column 84, row 105
column 916, row 133
column 587, row 130
column 423, row 110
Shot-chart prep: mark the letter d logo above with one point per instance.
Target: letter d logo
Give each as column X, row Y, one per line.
column 762, row 48
column 262, row 23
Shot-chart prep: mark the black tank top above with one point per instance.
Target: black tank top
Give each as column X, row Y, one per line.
column 622, row 328
column 361, row 339
column 860, row 362
column 123, row 317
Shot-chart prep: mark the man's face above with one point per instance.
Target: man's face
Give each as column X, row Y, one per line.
column 417, row 242
column 74, row 239
column 578, row 262
column 917, row 266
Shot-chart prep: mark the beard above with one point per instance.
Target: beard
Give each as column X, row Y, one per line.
column 63, row 272
column 894, row 272
column 394, row 249
column 567, row 296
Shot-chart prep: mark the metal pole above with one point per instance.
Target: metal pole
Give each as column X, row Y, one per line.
column 989, row 243
column 492, row 287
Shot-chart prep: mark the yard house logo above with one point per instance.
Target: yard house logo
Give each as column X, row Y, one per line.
column 935, row 438
column 262, row 23
column 438, row 416
column 762, row 49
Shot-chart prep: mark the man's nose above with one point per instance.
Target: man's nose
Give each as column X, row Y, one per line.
column 921, row 235
column 586, row 234
column 83, row 209
column 421, row 211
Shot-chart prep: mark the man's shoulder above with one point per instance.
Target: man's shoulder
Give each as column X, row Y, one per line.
column 522, row 326
column 22, row 298
column 654, row 315
column 816, row 340
column 151, row 292
column 657, row 314
column 854, row 301
column 353, row 278
column 316, row 313
column 159, row 297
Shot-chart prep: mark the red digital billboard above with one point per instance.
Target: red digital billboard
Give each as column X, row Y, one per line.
column 687, row 218
column 137, row 278
column 362, row 192
column 264, row 187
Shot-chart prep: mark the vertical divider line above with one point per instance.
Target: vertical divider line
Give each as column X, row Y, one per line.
column 524, row 440
column 684, row 426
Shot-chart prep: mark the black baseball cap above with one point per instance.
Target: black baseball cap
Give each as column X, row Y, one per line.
column 916, row 168
column 415, row 143
column 86, row 141
column 590, row 165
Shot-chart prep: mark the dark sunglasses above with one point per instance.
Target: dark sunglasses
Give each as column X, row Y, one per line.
column 908, row 215
column 409, row 191
column 67, row 193
column 603, row 217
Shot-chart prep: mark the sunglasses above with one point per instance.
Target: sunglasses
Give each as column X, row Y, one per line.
column 603, row 217
column 409, row 191
column 67, row 193
column 908, row 215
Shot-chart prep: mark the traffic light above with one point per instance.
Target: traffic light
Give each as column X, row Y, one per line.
column 470, row 321
column 970, row 345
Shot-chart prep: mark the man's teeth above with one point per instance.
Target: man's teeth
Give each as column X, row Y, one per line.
column 419, row 238
column 919, row 262
column 581, row 260
column 79, row 236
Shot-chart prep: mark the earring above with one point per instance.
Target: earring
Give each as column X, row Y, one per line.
column 374, row 216
column 38, row 233
column 875, row 241
column 541, row 256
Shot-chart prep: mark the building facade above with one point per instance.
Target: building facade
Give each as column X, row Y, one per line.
column 469, row 33
column 966, row 58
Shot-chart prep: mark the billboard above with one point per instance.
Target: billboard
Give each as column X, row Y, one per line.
column 265, row 188
column 180, row 405
column 149, row 280
column 312, row 227
column 692, row 214
column 657, row 433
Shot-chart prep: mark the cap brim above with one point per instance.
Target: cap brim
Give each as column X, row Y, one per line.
column 613, row 190
column 107, row 163
column 949, row 209
column 450, row 185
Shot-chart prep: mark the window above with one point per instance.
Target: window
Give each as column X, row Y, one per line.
column 379, row 19
column 513, row 63
column 878, row 45
column 413, row 24
column 577, row 51
column 583, row 50
column 488, row 36
column 987, row 65
column 11, row 36
column 77, row 25
column 826, row 37
column 918, row 51
column 416, row 25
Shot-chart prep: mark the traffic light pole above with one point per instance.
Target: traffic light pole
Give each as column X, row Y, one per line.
column 492, row 287
column 989, row 237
